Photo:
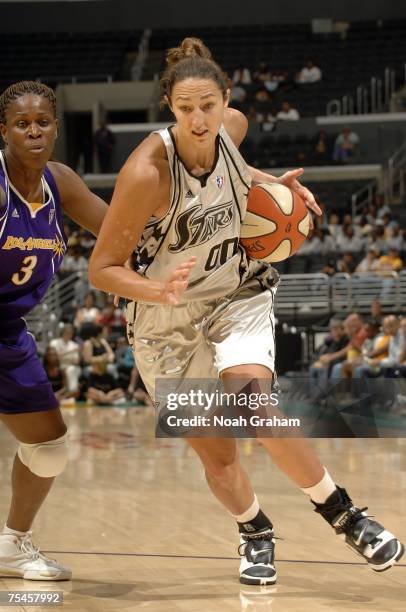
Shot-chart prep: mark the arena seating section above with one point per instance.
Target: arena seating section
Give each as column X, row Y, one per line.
column 345, row 63
column 59, row 57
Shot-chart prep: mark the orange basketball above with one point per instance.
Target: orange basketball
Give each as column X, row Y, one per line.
column 276, row 224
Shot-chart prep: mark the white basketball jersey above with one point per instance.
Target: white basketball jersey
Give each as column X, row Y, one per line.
column 203, row 220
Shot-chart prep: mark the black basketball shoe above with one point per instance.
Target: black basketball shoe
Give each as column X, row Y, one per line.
column 380, row 548
column 257, row 557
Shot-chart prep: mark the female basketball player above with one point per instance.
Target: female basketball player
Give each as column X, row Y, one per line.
column 179, row 201
column 33, row 194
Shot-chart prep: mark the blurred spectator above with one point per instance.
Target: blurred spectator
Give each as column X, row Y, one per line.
column 330, row 268
column 68, row 352
column 104, row 143
column 74, row 260
column 238, row 95
column 331, row 352
column 376, row 239
column 321, row 153
column 376, row 310
column 391, row 326
column 86, row 240
column 346, row 264
column 96, row 349
column 374, row 350
column 370, row 262
column 355, row 331
column 323, row 244
column 56, row 376
column 334, row 226
column 89, row 313
column 136, row 389
column 263, row 74
column 261, row 108
column 347, row 241
column 102, row 387
column 395, row 239
column 112, row 319
column 310, row 73
column 346, row 145
column 242, row 76
column 389, row 263
column 288, row 113
column 276, row 78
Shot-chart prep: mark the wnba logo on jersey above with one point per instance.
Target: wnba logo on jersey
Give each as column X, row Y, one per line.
column 193, row 228
column 219, row 181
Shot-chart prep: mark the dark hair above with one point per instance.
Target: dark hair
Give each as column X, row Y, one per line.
column 24, row 88
column 192, row 59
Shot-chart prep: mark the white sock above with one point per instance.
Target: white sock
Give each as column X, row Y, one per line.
column 322, row 490
column 8, row 531
column 249, row 514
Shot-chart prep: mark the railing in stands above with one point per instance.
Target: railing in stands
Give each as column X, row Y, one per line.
column 396, row 176
column 43, row 321
column 315, row 296
column 362, row 197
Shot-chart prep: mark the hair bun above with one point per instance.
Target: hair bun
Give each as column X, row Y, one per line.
column 189, row 47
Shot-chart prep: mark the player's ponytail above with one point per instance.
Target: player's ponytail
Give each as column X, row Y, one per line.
column 192, row 59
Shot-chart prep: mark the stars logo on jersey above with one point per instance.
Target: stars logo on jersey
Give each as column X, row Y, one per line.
column 219, row 181
column 198, row 225
column 51, row 215
column 189, row 194
column 15, row 214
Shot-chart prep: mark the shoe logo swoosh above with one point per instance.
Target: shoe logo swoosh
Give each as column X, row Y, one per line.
column 255, row 553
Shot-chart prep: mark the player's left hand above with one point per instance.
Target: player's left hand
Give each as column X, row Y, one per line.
column 290, row 180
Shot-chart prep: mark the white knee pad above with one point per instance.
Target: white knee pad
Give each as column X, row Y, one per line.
column 46, row 459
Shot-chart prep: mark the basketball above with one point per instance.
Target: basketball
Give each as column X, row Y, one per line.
column 276, row 224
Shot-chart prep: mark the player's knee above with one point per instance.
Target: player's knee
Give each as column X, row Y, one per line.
column 45, row 459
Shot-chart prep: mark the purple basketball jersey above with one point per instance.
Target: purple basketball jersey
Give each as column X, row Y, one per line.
column 32, row 246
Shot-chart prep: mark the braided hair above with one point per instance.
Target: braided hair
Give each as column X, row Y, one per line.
column 23, row 88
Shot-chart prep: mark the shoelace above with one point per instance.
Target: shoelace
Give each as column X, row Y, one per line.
column 253, row 538
column 352, row 516
column 27, row 547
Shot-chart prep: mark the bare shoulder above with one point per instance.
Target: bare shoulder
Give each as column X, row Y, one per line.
column 64, row 176
column 147, row 167
column 236, row 125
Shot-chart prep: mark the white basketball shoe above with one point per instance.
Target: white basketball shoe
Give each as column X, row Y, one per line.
column 20, row 558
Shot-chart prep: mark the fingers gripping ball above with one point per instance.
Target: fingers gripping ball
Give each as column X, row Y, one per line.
column 276, row 224
column 45, row 459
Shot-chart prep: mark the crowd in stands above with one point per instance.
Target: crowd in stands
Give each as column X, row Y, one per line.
column 358, row 349
column 91, row 360
column 262, row 95
column 372, row 242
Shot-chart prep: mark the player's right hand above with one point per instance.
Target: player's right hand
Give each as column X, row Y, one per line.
column 177, row 282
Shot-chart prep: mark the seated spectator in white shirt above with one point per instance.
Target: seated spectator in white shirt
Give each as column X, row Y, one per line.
column 396, row 239
column 288, row 113
column 75, row 261
column 370, row 263
column 348, row 241
column 323, row 244
column 69, row 356
column 346, row 263
column 242, row 76
column 309, row 73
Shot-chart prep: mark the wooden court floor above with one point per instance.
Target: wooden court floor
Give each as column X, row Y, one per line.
column 133, row 517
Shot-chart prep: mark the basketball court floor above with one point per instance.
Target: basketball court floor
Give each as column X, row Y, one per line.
column 134, row 519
